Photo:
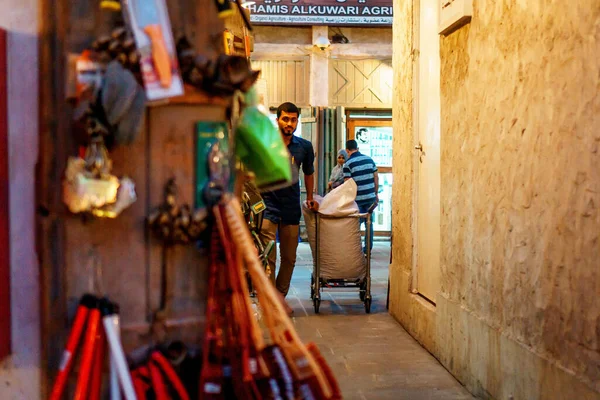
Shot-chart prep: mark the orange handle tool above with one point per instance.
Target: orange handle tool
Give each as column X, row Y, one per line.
column 160, row 55
column 87, row 301
column 87, row 356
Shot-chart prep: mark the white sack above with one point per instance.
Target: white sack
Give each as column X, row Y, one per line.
column 340, row 201
column 340, row 251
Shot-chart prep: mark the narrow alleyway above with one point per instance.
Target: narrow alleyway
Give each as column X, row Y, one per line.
column 372, row 356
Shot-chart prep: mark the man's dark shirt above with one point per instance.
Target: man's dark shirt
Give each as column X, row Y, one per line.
column 283, row 205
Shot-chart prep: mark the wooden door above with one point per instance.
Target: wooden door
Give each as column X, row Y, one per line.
column 427, row 149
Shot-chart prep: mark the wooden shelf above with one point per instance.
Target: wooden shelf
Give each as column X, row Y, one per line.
column 193, row 96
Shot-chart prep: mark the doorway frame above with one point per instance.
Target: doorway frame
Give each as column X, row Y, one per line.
column 416, row 84
column 351, row 123
column 416, row 26
column 374, row 120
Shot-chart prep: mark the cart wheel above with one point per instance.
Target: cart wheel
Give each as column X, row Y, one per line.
column 362, row 291
column 317, row 304
column 312, row 287
column 368, row 306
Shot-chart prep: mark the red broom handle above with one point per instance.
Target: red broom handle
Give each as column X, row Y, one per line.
column 98, row 366
column 66, row 363
column 87, row 357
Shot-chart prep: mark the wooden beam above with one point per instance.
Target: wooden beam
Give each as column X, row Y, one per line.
column 54, row 122
column 5, row 316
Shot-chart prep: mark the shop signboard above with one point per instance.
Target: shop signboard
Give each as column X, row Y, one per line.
column 322, row 12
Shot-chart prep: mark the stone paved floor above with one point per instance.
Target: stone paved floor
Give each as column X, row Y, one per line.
column 371, row 354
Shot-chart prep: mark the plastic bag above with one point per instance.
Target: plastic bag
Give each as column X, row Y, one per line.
column 260, row 147
column 340, row 202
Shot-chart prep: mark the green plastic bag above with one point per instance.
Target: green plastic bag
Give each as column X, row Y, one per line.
column 260, row 147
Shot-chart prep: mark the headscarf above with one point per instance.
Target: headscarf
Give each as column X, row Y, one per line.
column 337, row 173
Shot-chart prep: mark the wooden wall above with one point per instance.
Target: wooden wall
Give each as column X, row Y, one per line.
column 5, row 325
column 286, row 79
column 131, row 260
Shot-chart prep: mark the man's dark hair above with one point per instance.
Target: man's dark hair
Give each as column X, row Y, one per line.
column 351, row 145
column 288, row 108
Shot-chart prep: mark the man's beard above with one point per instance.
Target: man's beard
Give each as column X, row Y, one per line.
column 284, row 132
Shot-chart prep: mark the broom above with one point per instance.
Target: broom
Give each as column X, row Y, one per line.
column 309, row 378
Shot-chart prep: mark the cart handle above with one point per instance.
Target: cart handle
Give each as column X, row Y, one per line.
column 372, row 208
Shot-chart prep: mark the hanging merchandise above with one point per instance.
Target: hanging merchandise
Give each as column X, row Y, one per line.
column 109, row 94
column 88, row 73
column 253, row 207
column 211, row 138
column 123, row 103
column 237, row 362
column 220, row 77
column 234, row 351
column 157, row 380
column 228, row 41
column 176, row 224
column 111, row 108
column 288, row 368
column 260, row 147
column 224, row 8
column 118, row 46
column 89, row 187
column 111, row 5
column 149, row 22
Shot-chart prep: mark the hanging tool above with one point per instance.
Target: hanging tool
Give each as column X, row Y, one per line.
column 224, row 9
column 157, row 378
column 87, row 357
column 87, row 303
column 98, row 365
column 242, row 11
column 308, row 376
column 213, row 375
column 111, row 5
column 110, row 312
column 89, row 381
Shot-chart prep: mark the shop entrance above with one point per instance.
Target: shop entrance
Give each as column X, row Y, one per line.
column 374, row 137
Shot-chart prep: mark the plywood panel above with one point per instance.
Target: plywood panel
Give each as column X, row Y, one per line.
column 360, row 83
column 172, row 130
column 64, row 241
column 132, row 260
column 287, row 79
column 119, row 244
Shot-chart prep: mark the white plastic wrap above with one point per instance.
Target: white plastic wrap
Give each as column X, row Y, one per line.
column 340, row 251
column 340, row 201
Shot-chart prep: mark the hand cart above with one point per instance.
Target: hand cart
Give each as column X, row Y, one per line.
column 363, row 285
